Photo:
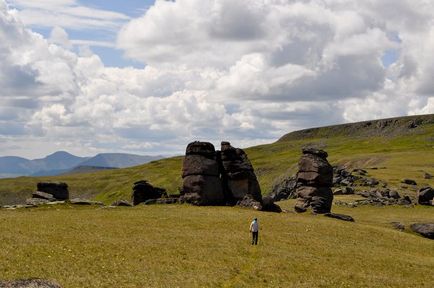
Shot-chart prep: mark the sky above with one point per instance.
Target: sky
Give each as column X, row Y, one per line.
column 148, row 77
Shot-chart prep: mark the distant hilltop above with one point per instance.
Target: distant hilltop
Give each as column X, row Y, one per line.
column 62, row 162
column 383, row 127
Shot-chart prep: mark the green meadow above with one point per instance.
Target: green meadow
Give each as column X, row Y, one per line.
column 188, row 246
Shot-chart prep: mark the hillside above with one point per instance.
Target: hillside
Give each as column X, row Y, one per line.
column 390, row 149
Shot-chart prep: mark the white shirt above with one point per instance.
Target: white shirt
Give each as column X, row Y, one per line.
column 254, row 227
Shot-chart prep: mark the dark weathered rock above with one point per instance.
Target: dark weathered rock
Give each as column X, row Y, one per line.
column 199, row 165
column 409, row 182
column 81, row 201
column 58, row 190
column 202, row 190
column 238, row 176
column 398, row 226
column 30, row 283
column 424, row 229
column 124, row 203
column 284, row 189
column 43, row 195
column 314, row 179
column 201, row 175
column 269, row 205
column 143, row 191
column 340, row 217
column 425, row 195
column 427, row 176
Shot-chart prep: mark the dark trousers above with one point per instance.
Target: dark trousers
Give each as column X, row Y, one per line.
column 254, row 238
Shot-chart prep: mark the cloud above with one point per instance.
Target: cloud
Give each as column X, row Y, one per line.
column 244, row 71
column 67, row 14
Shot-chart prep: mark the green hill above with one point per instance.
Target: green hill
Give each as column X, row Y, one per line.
column 390, row 149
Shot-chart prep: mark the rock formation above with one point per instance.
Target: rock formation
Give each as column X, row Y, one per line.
column 143, row 191
column 201, row 174
column 314, row 179
column 223, row 177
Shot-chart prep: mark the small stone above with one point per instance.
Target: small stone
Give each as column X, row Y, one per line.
column 340, row 217
column 80, row 201
column 409, row 182
column 398, row 226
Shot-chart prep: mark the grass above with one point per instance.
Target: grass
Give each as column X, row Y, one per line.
column 408, row 154
column 187, row 246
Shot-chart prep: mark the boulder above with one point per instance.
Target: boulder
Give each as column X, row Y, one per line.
column 143, row 191
column 424, row 229
column 58, row 190
column 409, row 182
column 343, row 191
column 199, row 165
column 124, row 203
column 201, row 148
column 162, row 201
column 314, row 171
column 43, row 195
column 269, row 205
column 427, row 176
column 425, row 195
column 30, row 283
column 340, row 217
column 284, row 189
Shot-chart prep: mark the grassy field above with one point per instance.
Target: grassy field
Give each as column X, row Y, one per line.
column 187, row 246
column 397, row 153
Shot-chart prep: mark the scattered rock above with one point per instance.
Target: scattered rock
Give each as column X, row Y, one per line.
column 340, row 217
column 409, row 182
column 425, row 195
column 143, row 191
column 30, row 283
column 424, row 229
column 314, row 179
column 398, row 226
column 249, row 202
column 58, row 190
column 343, row 191
column 80, row 201
column 124, row 203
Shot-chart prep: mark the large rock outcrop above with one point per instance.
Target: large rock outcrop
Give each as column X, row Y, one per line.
column 425, row 196
column 201, row 175
column 314, row 179
column 223, row 177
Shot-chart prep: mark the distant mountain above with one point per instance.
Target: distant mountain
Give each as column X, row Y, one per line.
column 118, row 160
column 63, row 162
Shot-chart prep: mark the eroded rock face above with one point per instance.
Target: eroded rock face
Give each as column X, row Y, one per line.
column 143, row 191
column 201, row 174
column 314, row 179
column 238, row 175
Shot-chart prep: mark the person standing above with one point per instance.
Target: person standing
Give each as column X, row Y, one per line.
column 254, row 229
